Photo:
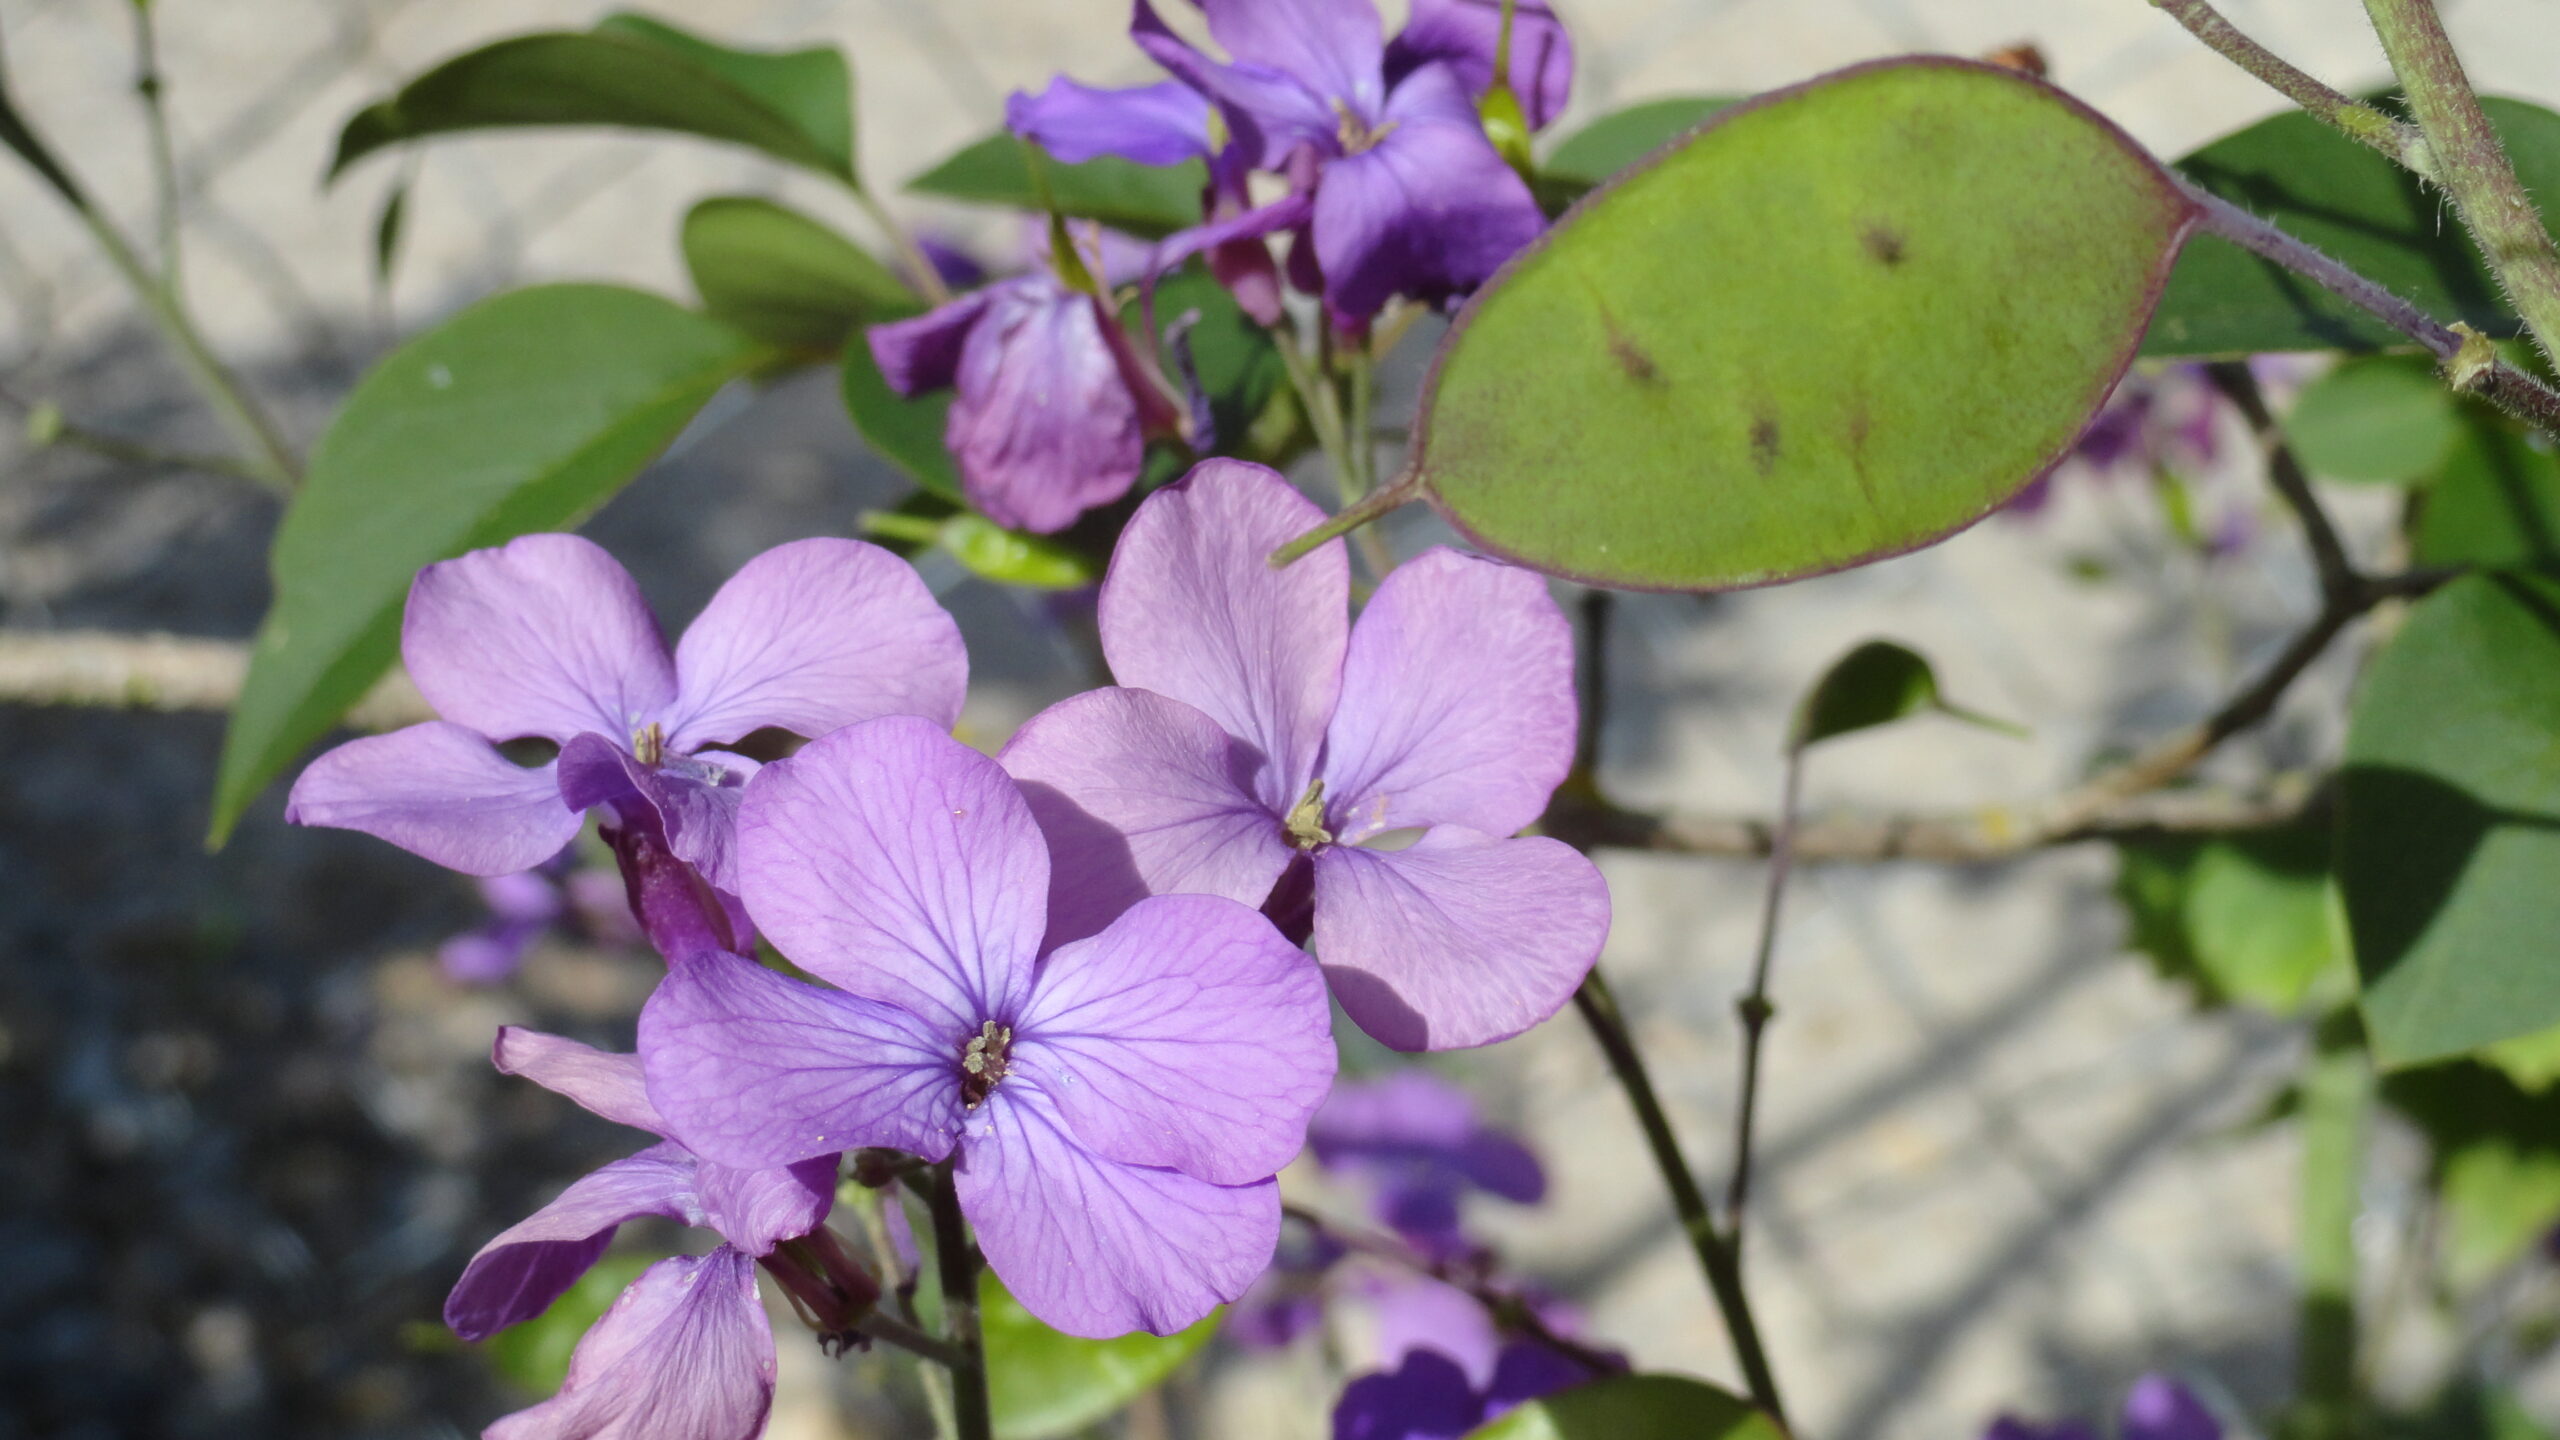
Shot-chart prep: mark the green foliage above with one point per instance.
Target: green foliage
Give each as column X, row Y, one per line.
column 1635, row 1407
column 1621, row 138
column 522, row 413
column 535, row 1354
column 629, row 71
column 2384, row 419
column 1010, row 557
column 908, row 433
column 2496, row 1161
column 2242, row 918
column 2449, row 821
column 784, row 278
column 1141, row 199
column 2362, row 209
column 1238, row 367
column 1877, row 683
column 1839, row 323
column 2496, row 501
column 1044, row 1384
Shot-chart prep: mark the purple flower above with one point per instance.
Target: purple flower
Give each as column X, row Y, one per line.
column 1259, row 741
column 687, row 1346
column 1116, row 1109
column 521, row 907
column 2156, row 1408
column 1416, row 1138
column 546, row 637
column 1430, row 1396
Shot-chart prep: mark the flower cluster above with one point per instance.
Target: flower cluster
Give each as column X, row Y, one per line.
column 1070, row 980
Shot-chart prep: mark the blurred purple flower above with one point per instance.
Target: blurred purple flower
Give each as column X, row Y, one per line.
column 1430, row 1394
column 1117, row 1108
column 1416, row 1139
column 1258, row 743
column 526, row 905
column 546, row 637
column 2156, row 1408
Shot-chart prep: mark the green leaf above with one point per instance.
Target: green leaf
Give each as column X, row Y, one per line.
column 1840, row 322
column 1635, row 1407
column 1045, row 1384
column 387, row 230
column 2241, row 918
column 907, row 433
column 1238, row 367
column 535, row 1353
column 1010, row 557
column 796, row 106
column 522, row 413
column 2496, row 1160
column 2362, row 209
column 2383, row 419
column 2496, row 502
column 1149, row 200
column 1875, row 684
column 2532, row 1061
column 785, row 278
column 2449, row 822
column 1615, row 141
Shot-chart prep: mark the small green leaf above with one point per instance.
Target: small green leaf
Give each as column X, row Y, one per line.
column 2241, row 918
column 2359, row 207
column 907, row 433
column 1615, row 141
column 1147, row 200
column 2449, row 822
column 1875, row 684
column 2532, row 1061
column 535, row 1353
column 2496, row 1160
column 1635, row 1407
column 1238, row 366
column 796, row 106
column 522, row 413
column 2384, row 419
column 1840, row 322
column 785, row 278
column 2496, row 502
column 1044, row 1384
column 1010, row 557
column 387, row 229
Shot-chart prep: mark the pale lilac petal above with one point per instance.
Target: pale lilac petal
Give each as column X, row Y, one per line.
column 1169, row 253
column 1096, row 1248
column 756, row 1210
column 2159, row 1408
column 923, row 354
column 1430, row 211
column 696, row 800
column 756, row 1071
column 1046, row 424
column 1189, row 1035
column 518, row 1274
column 1416, row 1313
column 1161, row 124
column 1271, row 111
column 685, row 1354
column 603, row 1083
column 1457, row 702
column 1465, row 34
column 1192, row 609
column 440, row 791
column 545, row 635
column 812, row 636
column 1332, row 46
column 899, row 864
column 1140, row 795
column 1460, row 940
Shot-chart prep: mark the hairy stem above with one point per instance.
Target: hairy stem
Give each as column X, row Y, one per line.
column 1716, row 1259
column 2471, row 163
column 2353, row 118
column 1754, row 1006
column 956, row 1259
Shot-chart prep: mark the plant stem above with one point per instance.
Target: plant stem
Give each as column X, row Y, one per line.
column 1324, row 415
column 1360, row 450
column 2337, row 1105
column 1599, row 1010
column 2350, row 117
column 2338, row 578
column 956, row 1259
column 1754, row 1006
column 2471, row 163
column 164, row 156
column 1376, row 503
column 890, row 1330
column 927, row 278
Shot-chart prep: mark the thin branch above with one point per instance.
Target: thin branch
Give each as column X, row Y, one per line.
column 122, row 671
column 1754, row 1007
column 2329, row 557
column 957, row 1260
column 147, row 84
column 2359, row 122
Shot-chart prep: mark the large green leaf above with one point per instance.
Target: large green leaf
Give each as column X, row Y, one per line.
column 1840, row 322
column 1615, row 141
column 632, row 71
column 2384, row 419
column 1141, row 199
column 1635, row 1407
column 2496, row 501
column 2496, row 1160
column 2449, row 822
column 2240, row 918
column 2362, row 209
column 1044, row 1384
column 1234, row 359
column 785, row 278
column 522, row 413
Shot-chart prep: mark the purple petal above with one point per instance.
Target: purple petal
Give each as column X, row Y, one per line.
column 602, row 1082
column 440, row 791
column 1332, row 46
column 1429, row 211
column 545, row 635
column 1192, row 609
column 1528, row 1370
column 1189, row 1035
column 1047, row 424
column 1270, row 111
column 1415, row 1314
column 1425, row 1398
column 758, row 1209
column 812, row 636
column 755, row 1071
column 1140, row 795
column 1096, row 1248
column 695, row 801
column 2159, row 1408
column 1500, row 1165
column 529, row 897
column 899, row 864
column 485, row 957
column 517, row 1275
column 1457, row 702
column 1460, row 940
column 1289, row 210
column 1465, row 34
column 1161, row 124
column 923, row 354
column 685, row 1354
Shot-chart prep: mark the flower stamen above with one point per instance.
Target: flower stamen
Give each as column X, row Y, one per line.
column 983, row 1062
column 1305, row 825
column 649, row 742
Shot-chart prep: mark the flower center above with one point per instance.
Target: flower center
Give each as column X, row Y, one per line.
column 1305, row 825
column 1355, row 133
column 649, row 742
column 983, row 1062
